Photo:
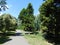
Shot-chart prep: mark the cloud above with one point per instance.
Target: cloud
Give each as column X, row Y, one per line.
column 36, row 13
column 1, row 13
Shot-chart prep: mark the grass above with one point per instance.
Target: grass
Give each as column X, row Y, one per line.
column 36, row 39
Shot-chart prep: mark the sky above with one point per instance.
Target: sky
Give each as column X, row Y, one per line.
column 15, row 6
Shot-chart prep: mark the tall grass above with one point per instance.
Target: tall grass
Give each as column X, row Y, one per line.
column 36, row 39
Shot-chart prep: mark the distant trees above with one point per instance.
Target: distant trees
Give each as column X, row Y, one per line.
column 27, row 17
column 7, row 23
column 37, row 23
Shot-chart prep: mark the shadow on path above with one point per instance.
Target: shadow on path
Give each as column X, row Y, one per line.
column 18, row 34
column 4, row 39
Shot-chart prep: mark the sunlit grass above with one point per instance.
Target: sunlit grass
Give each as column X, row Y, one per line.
column 36, row 39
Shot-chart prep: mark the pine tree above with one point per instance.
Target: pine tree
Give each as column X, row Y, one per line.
column 22, row 15
column 29, row 22
column 49, row 15
column 3, row 4
column 27, row 17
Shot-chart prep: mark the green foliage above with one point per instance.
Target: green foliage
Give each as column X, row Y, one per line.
column 21, row 27
column 3, row 4
column 7, row 23
column 37, row 39
column 47, row 14
column 37, row 23
column 27, row 17
column 30, row 9
column 50, row 16
column 22, row 14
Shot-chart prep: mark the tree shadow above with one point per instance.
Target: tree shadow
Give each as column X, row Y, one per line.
column 4, row 39
column 54, row 39
column 29, row 32
column 14, row 34
column 49, row 38
column 57, row 42
column 18, row 34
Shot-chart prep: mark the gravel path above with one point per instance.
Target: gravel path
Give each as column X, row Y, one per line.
column 18, row 39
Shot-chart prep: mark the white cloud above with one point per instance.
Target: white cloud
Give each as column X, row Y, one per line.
column 36, row 13
column 1, row 13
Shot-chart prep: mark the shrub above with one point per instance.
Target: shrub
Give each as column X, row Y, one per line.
column 7, row 23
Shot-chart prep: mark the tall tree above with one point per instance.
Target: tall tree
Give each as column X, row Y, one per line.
column 29, row 22
column 57, row 16
column 49, row 15
column 30, row 10
column 27, row 17
column 22, row 15
column 37, row 23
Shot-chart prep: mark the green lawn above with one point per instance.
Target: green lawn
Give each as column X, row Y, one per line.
column 36, row 39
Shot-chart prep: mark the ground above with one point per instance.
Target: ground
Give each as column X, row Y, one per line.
column 37, row 39
column 25, row 38
column 17, row 39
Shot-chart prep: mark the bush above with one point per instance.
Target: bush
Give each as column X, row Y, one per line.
column 7, row 23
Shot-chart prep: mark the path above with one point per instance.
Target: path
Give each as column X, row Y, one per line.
column 18, row 39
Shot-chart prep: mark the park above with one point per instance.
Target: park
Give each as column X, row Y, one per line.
column 29, row 22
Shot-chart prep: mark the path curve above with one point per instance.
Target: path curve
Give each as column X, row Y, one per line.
column 17, row 40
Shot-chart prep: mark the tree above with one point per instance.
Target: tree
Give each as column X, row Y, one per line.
column 8, row 23
column 37, row 23
column 49, row 17
column 27, row 17
column 22, row 15
column 57, row 16
column 3, row 5
column 30, row 10
column 1, row 23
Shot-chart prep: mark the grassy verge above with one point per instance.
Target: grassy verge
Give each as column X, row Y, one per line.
column 36, row 39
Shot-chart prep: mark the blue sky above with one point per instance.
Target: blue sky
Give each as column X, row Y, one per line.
column 15, row 6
